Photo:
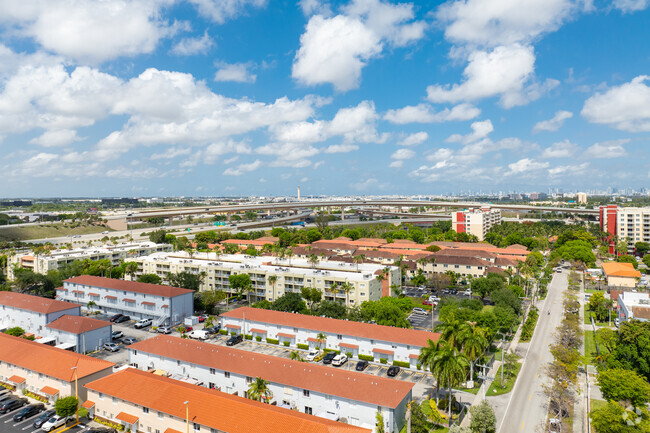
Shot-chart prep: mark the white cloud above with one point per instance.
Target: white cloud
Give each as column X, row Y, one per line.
column 501, row 22
column 335, row 49
column 61, row 137
column 221, row 10
column 341, row 148
column 365, row 185
column 313, row 7
column 171, row 153
column 402, row 154
column 414, row 139
column 396, row 164
column 237, row 72
column 629, row 6
column 442, row 154
column 525, row 165
column 479, row 130
column 243, row 168
column 506, row 71
column 561, row 149
column 90, row 31
column 192, row 46
column 572, row 170
column 607, row 149
column 423, row 113
column 554, row 123
column 625, row 107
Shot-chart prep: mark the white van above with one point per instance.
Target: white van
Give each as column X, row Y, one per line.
column 198, row 334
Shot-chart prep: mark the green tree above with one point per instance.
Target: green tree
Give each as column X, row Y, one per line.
column 450, row 368
column 186, row 280
column 290, row 303
column 312, row 295
column 624, row 385
column 66, row 406
column 642, row 248
column 613, row 418
column 506, row 298
column 321, row 338
column 16, row 331
column 130, row 268
column 599, row 305
column 150, row 278
column 379, row 422
column 473, row 342
column 241, row 283
column 626, row 258
column 331, row 309
column 427, row 359
column 259, row 390
column 483, row 418
column 158, row 236
column 646, row 260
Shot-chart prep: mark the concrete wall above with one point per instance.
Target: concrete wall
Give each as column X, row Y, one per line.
column 31, row 321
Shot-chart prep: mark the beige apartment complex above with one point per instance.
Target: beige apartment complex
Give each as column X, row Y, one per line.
column 475, row 222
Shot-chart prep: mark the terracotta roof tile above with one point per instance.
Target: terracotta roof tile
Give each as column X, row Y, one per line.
column 128, row 286
column 382, row 351
column 127, row 418
column 33, row 303
column 615, row 269
column 88, row 404
column 31, row 355
column 641, row 312
column 285, row 335
column 465, row 261
column 315, row 377
column 16, row 379
column 349, row 346
column 258, row 331
column 211, row 408
column 411, row 337
column 48, row 390
column 76, row 324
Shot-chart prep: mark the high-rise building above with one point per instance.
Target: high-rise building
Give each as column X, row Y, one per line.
column 475, row 222
column 581, row 198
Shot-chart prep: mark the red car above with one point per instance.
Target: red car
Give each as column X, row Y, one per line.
column 427, row 302
column 187, row 328
column 202, row 318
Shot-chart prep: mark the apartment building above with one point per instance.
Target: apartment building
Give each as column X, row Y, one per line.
column 336, row 394
column 475, row 222
column 633, row 305
column 145, row 402
column 163, row 304
column 620, row 274
column 289, row 275
column 32, row 313
column 357, row 338
column 45, row 370
column 79, row 333
column 462, row 265
column 57, row 259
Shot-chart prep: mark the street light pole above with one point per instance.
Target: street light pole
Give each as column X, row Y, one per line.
column 76, row 392
column 187, row 416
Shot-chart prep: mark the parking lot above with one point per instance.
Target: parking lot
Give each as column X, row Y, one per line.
column 8, row 425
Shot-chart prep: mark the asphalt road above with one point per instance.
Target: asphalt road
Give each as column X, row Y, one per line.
column 527, row 407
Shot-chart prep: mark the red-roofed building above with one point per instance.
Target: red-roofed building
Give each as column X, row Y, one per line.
column 32, row 313
column 402, row 342
column 327, row 391
column 83, row 334
column 162, row 304
column 124, row 396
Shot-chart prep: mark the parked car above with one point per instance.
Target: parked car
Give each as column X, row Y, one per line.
column 313, row 353
column 164, row 330
column 234, row 340
column 202, row 318
column 361, row 365
column 111, row 347
column 100, row 430
column 143, row 323
column 434, row 298
column 198, row 334
column 329, row 356
column 393, row 371
column 617, row 322
column 55, row 421
column 468, row 292
column 129, row 341
column 12, row 404
column 319, row 357
column 185, row 328
column 427, row 302
column 339, row 360
column 212, row 330
column 105, row 232
column 6, row 397
column 29, row 411
column 122, row 319
column 116, row 335
column 40, row 420
column 418, row 310
column 115, row 317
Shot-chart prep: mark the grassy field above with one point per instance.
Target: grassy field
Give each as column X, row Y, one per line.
column 495, row 387
column 590, row 347
column 470, row 390
column 46, row 231
column 588, row 321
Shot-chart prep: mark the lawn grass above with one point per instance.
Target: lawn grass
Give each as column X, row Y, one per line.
column 426, row 409
column 470, row 390
column 590, row 347
column 46, row 231
column 588, row 321
column 487, row 308
column 495, row 387
column 596, row 404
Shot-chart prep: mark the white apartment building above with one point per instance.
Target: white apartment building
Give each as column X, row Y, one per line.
column 336, row 394
column 32, row 313
column 357, row 338
column 145, row 402
column 45, row 370
column 290, row 274
column 57, row 259
column 632, row 305
column 163, row 304
column 475, row 222
column 633, row 223
column 79, row 333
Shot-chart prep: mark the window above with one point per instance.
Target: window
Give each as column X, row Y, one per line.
column 249, row 380
column 339, row 337
column 160, row 416
column 305, row 392
column 148, row 429
column 213, row 371
column 178, row 362
column 145, row 410
column 308, row 410
column 197, row 427
column 114, row 401
column 226, row 374
column 101, row 396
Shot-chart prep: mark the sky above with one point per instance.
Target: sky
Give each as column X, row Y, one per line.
column 359, row 97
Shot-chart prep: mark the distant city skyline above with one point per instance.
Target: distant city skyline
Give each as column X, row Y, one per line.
column 370, row 97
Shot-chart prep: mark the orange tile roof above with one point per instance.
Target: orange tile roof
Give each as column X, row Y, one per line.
column 209, row 407
column 128, row 286
column 171, row 430
column 33, row 303
column 88, row 404
column 242, row 242
column 16, row 379
column 349, row 346
column 317, row 378
column 127, row 418
column 258, row 331
column 285, row 335
column 615, row 269
column 382, row 351
column 317, row 324
column 49, row 390
column 48, row 360
column 77, row 324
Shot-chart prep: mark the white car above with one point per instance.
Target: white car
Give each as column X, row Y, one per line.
column 313, row 353
column 339, row 360
column 468, row 292
column 198, row 334
column 434, row 298
column 617, row 322
column 55, row 422
column 105, row 232
column 418, row 310
column 143, row 323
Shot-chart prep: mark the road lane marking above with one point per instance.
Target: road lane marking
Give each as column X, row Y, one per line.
column 522, row 425
column 529, row 397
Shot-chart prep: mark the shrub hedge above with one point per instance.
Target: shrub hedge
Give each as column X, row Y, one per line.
column 272, row 341
column 366, row 357
column 303, row 346
column 402, row 364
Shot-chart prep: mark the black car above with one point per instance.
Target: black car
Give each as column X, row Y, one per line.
column 234, row 340
column 10, row 405
column 393, row 371
column 6, row 397
column 122, row 319
column 29, row 411
column 212, row 330
column 40, row 420
column 115, row 317
column 101, row 430
column 361, row 365
column 329, row 356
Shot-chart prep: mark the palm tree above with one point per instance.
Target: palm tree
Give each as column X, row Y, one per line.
column 347, row 288
column 295, row 356
column 334, row 288
column 91, row 305
column 321, row 338
column 449, row 331
column 450, row 368
column 313, row 260
column 131, row 268
column 427, row 360
column 289, row 254
column 272, row 280
column 472, row 339
column 358, row 259
column 259, row 390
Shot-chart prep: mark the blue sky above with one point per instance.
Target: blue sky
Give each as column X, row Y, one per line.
column 256, row 97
